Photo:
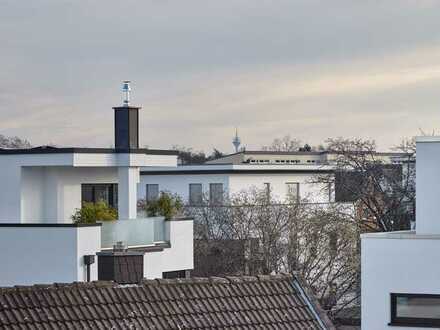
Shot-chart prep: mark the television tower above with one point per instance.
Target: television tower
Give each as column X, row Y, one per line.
column 236, row 141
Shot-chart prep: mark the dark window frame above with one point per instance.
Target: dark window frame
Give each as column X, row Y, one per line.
column 147, row 190
column 113, row 193
column 212, row 199
column 298, row 190
column 190, row 199
column 412, row 321
column 267, row 191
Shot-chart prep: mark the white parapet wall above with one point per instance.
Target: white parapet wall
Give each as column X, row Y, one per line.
column 396, row 262
column 46, row 253
column 428, row 185
column 179, row 256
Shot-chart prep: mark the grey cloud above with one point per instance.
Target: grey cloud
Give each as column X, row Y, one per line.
column 62, row 62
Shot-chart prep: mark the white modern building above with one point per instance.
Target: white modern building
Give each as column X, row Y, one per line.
column 223, row 180
column 43, row 187
column 284, row 174
column 400, row 270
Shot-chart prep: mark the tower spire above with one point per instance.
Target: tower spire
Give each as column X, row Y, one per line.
column 236, row 141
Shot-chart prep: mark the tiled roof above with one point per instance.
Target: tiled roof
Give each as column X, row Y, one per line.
column 265, row 302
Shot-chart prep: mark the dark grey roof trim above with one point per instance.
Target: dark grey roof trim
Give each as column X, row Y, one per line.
column 69, row 225
column 53, row 150
column 303, row 153
column 234, row 171
column 180, row 219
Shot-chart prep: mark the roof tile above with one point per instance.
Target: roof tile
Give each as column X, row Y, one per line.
column 263, row 302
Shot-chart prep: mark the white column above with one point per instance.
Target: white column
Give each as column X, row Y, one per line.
column 428, row 185
column 127, row 192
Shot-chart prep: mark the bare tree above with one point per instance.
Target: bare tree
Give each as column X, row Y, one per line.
column 382, row 190
column 285, row 143
column 13, row 142
column 254, row 234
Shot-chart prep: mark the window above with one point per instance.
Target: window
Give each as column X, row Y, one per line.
column 195, row 194
column 176, row 274
column 293, row 191
column 417, row 310
column 107, row 192
column 216, row 193
column 152, row 192
column 267, row 191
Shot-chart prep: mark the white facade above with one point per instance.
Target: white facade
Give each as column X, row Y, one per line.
column 42, row 190
column 46, row 187
column 406, row 262
column 237, row 178
column 396, row 263
column 178, row 257
column 45, row 255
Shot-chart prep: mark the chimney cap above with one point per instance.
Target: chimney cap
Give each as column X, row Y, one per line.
column 126, row 89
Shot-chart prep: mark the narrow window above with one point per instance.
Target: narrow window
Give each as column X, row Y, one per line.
column 216, row 193
column 195, row 194
column 293, row 191
column 267, row 190
column 416, row 310
column 152, row 192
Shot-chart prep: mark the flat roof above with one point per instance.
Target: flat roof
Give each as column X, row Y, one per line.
column 402, row 234
column 74, row 150
column 302, row 153
column 242, row 168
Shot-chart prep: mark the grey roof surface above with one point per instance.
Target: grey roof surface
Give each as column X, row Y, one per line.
column 264, row 302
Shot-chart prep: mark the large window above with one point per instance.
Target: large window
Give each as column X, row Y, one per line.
column 216, row 193
column 293, row 191
column 417, row 310
column 93, row 193
column 152, row 192
column 195, row 194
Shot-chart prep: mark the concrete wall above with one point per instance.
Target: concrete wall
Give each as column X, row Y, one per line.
column 234, row 183
column 180, row 256
column 88, row 242
column 393, row 263
column 44, row 255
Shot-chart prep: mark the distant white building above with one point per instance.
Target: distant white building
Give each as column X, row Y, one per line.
column 285, row 174
column 215, row 181
column 41, row 189
column 400, row 270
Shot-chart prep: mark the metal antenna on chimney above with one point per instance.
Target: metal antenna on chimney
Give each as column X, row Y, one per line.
column 126, row 90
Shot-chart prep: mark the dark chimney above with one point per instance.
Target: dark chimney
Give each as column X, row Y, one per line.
column 126, row 122
column 126, row 127
column 120, row 265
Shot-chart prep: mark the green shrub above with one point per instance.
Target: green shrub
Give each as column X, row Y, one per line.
column 93, row 212
column 167, row 205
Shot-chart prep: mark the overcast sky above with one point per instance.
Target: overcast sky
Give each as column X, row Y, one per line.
column 312, row 69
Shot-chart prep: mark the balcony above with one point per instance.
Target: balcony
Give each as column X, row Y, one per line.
column 133, row 233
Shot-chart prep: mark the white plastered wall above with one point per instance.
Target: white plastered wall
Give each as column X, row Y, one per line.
column 45, row 255
column 180, row 256
column 396, row 265
column 313, row 192
column 234, row 183
column 179, row 184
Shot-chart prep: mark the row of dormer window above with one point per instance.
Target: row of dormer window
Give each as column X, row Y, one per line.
column 282, row 161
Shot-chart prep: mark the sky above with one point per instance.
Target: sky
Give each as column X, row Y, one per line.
column 313, row 69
